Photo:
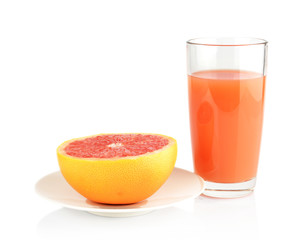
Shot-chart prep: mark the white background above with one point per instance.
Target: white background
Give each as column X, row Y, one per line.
column 74, row 68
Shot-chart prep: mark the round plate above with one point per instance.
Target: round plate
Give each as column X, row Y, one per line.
column 181, row 185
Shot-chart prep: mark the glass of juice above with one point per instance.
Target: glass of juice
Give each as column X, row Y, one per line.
column 226, row 83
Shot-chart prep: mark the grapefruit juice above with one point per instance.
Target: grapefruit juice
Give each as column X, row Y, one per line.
column 226, row 114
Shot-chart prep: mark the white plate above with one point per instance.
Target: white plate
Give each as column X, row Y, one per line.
column 181, row 185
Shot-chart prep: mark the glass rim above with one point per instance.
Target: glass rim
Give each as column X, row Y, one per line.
column 227, row 41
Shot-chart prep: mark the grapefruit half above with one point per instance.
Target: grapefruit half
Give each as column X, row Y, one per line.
column 117, row 168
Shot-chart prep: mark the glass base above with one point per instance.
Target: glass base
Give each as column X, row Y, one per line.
column 229, row 190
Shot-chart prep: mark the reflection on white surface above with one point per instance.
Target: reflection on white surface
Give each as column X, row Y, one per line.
column 227, row 218
column 72, row 224
column 203, row 216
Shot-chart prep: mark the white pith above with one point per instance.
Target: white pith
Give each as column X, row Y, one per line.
column 114, row 145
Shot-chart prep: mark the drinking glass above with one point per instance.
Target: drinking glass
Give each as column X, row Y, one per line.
column 226, row 83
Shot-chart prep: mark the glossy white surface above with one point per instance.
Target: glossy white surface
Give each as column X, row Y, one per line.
column 74, row 68
column 180, row 186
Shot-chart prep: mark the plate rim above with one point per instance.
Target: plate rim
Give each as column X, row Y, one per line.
column 119, row 210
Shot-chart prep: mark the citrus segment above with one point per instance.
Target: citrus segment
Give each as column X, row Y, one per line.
column 115, row 145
